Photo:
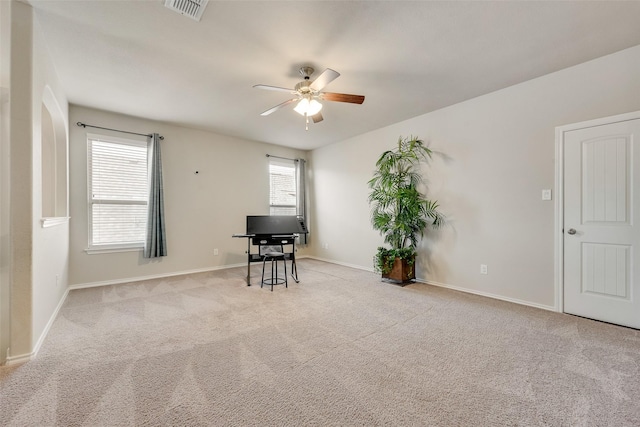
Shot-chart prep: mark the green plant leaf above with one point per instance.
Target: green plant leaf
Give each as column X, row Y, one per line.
column 399, row 211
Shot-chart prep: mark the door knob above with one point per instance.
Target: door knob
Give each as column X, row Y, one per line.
column 572, row 231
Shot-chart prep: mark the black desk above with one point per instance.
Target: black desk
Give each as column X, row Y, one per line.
column 269, row 240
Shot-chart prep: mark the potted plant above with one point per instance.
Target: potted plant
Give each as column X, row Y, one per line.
column 399, row 211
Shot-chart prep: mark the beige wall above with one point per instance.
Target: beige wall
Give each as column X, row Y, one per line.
column 5, row 282
column 494, row 155
column 20, row 191
column 51, row 244
column 202, row 210
column 31, row 255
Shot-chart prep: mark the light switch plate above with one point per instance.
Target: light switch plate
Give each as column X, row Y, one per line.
column 546, row 194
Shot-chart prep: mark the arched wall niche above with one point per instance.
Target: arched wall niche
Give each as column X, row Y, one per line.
column 48, row 165
column 54, row 161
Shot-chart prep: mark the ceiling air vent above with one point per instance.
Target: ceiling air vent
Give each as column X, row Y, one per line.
column 191, row 8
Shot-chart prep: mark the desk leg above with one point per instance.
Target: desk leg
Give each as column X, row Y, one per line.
column 248, row 262
column 294, row 267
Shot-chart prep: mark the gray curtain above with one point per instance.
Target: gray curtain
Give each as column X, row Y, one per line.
column 301, row 201
column 156, row 243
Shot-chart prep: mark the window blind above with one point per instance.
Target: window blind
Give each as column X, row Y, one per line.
column 282, row 197
column 118, row 192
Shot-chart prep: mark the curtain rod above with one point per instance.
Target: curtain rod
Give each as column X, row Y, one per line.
column 84, row 125
column 285, row 158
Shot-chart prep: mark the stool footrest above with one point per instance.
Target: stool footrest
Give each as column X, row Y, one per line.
column 274, row 281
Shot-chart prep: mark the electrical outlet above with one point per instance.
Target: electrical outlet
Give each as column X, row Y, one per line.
column 57, row 280
column 483, row 269
column 215, row 251
column 546, row 194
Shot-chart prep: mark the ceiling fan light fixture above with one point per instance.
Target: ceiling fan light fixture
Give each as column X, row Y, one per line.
column 308, row 108
column 307, row 93
column 314, row 108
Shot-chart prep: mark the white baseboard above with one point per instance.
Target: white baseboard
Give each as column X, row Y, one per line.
column 199, row 270
column 23, row 358
column 153, row 276
column 455, row 288
column 488, row 295
column 358, row 267
column 19, row 359
column 44, row 333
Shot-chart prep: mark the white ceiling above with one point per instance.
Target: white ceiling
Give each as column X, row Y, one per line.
column 408, row 58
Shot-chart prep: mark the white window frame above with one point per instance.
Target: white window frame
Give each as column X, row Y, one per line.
column 115, row 247
column 283, row 163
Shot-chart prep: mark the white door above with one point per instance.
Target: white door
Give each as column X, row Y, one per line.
column 601, row 230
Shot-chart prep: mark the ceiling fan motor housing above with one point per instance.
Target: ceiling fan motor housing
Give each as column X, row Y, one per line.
column 303, row 88
column 306, row 72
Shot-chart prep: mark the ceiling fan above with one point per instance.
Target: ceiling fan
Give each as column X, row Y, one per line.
column 308, row 95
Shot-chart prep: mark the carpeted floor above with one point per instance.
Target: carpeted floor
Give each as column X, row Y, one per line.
column 340, row 348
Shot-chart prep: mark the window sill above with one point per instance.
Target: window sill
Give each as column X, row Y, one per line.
column 94, row 251
column 53, row 221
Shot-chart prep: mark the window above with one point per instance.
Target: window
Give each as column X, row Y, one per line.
column 118, row 192
column 283, row 196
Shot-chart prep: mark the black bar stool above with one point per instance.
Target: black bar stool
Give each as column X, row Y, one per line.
column 274, row 257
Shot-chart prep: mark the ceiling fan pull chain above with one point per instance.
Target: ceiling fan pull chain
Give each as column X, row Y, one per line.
column 307, row 124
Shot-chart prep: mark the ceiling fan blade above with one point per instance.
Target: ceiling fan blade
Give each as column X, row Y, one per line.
column 279, row 89
column 324, row 79
column 317, row 118
column 279, row 106
column 343, row 97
